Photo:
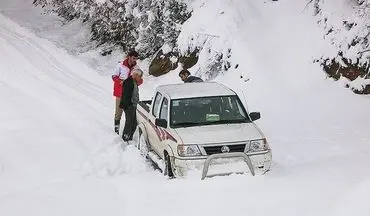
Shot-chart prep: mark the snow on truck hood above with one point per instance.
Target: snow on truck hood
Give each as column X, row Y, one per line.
column 219, row 133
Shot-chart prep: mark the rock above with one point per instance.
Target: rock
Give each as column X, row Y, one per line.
column 162, row 64
column 189, row 60
column 352, row 71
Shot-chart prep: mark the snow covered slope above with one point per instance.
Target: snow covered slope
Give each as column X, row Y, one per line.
column 55, row 116
column 59, row 155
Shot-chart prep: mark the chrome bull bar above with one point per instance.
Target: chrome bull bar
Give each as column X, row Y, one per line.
column 209, row 159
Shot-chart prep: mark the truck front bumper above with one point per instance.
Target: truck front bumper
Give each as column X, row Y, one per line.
column 225, row 163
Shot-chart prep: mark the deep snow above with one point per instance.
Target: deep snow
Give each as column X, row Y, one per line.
column 59, row 155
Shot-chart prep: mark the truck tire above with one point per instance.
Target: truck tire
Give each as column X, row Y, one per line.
column 168, row 166
column 142, row 144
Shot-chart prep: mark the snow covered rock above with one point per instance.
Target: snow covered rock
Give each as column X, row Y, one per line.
column 346, row 30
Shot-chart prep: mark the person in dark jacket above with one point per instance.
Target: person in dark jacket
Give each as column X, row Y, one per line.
column 121, row 72
column 187, row 78
column 129, row 102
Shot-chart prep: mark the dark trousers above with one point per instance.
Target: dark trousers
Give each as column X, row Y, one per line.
column 130, row 123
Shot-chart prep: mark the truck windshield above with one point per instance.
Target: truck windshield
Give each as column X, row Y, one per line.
column 206, row 111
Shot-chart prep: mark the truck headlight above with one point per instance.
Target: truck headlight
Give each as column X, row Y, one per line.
column 188, row 150
column 258, row 145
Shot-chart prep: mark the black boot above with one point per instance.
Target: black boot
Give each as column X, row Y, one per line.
column 125, row 137
column 116, row 126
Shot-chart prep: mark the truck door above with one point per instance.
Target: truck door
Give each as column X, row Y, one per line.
column 163, row 114
column 153, row 130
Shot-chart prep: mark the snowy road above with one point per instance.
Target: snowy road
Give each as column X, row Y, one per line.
column 53, row 118
column 59, row 156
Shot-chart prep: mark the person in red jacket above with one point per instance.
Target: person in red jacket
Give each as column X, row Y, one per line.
column 121, row 73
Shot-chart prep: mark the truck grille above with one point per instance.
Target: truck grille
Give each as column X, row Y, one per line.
column 210, row 150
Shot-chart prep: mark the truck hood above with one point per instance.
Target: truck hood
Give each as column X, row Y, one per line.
column 219, row 133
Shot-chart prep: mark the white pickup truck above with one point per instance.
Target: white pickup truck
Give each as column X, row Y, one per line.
column 200, row 125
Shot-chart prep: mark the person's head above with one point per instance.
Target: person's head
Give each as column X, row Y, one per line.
column 132, row 57
column 184, row 74
column 137, row 74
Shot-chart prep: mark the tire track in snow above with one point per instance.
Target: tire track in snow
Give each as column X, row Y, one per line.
column 91, row 94
column 68, row 78
column 71, row 101
column 56, row 71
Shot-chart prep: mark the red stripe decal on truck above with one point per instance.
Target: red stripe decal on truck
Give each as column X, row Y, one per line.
column 143, row 115
column 162, row 134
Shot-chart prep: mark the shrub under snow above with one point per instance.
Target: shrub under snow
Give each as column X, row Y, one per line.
column 145, row 25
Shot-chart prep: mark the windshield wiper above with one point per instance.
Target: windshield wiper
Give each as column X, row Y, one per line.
column 187, row 124
column 228, row 121
column 225, row 121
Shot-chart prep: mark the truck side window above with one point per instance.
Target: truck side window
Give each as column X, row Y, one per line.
column 164, row 109
column 157, row 100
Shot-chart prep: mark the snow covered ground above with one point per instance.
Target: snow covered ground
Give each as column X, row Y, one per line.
column 59, row 155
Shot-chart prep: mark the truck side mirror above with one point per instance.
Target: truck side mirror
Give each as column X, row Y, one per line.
column 255, row 116
column 161, row 122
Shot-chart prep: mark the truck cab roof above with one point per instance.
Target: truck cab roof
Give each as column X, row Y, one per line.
column 193, row 90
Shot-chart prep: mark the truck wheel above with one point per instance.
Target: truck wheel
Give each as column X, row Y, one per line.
column 142, row 144
column 168, row 166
